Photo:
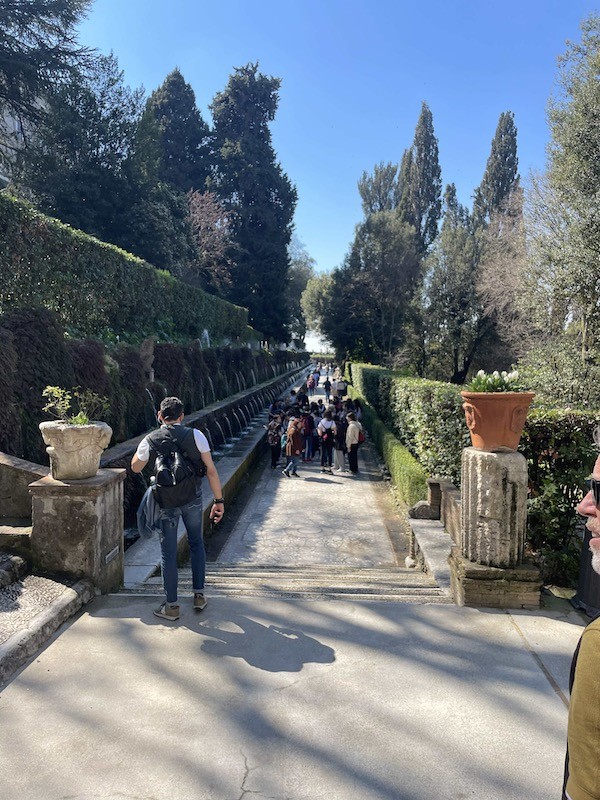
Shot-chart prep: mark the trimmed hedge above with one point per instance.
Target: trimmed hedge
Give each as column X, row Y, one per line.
column 407, row 474
column 99, row 290
column 427, row 417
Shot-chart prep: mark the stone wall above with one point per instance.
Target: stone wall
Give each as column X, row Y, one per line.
column 15, row 476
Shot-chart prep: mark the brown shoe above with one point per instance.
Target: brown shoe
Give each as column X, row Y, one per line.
column 167, row 611
column 200, row 601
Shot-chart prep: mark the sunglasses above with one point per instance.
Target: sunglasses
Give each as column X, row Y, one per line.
column 593, row 486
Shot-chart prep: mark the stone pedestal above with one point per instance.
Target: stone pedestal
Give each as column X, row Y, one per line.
column 78, row 527
column 487, row 565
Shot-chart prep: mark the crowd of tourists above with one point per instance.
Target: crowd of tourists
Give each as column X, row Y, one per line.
column 303, row 426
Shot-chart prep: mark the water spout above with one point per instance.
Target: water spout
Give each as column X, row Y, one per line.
column 218, row 424
column 212, row 388
column 254, row 381
column 226, row 419
column 241, row 427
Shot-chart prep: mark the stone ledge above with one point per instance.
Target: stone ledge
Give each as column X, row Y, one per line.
column 88, row 486
column 431, row 545
column 25, row 643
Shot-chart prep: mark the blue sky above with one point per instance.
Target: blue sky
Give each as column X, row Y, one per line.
column 354, row 75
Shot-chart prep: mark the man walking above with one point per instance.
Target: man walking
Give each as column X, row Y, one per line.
column 195, row 448
column 582, row 770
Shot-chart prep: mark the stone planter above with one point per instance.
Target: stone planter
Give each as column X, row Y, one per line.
column 75, row 450
column 496, row 419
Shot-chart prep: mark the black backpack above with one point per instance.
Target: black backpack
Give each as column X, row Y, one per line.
column 176, row 467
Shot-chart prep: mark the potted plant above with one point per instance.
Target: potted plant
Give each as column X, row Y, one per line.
column 75, row 439
column 496, row 407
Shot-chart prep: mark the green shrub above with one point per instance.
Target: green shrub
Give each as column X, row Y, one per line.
column 407, row 474
column 560, row 452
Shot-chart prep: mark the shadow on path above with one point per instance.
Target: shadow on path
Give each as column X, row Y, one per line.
column 271, row 648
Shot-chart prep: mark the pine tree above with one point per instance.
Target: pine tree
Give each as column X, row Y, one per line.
column 172, row 142
column 252, row 184
column 38, row 51
column 500, row 176
column 420, row 182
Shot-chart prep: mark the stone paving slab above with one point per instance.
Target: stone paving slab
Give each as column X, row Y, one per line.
column 290, row 700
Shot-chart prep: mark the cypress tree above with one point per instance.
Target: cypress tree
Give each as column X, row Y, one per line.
column 500, row 176
column 420, row 182
column 252, row 184
column 172, row 142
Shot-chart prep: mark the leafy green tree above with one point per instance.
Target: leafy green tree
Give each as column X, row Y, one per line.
column 365, row 308
column 158, row 228
column 315, row 300
column 501, row 172
column 456, row 323
column 172, row 140
column 253, row 186
column 574, row 175
column 378, row 191
column 38, row 50
column 302, row 269
column 344, row 307
column 420, row 182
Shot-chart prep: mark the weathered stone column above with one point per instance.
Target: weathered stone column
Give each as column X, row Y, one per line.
column 494, row 507
column 487, row 564
column 77, row 527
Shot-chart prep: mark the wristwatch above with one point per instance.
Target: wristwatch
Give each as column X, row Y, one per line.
column 219, row 500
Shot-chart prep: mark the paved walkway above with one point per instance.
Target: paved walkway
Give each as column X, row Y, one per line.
column 314, row 519
column 293, row 699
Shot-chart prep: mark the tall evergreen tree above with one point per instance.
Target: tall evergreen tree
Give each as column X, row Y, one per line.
column 420, row 182
column 38, row 50
column 501, row 175
column 172, row 141
column 75, row 165
column 252, row 185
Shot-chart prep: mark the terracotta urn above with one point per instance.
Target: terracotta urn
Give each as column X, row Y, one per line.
column 496, row 419
column 75, row 450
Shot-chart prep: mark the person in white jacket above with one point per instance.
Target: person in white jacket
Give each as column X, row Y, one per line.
column 352, row 441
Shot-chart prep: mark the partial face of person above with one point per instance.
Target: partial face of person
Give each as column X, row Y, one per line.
column 588, row 508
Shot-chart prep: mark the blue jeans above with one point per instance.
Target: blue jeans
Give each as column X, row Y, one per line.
column 192, row 519
column 292, row 464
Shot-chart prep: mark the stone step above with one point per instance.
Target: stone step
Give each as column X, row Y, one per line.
column 309, row 582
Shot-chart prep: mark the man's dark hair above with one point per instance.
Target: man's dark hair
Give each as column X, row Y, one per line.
column 171, row 408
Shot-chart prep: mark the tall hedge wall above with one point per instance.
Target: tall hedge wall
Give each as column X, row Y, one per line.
column 427, row 417
column 99, row 290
